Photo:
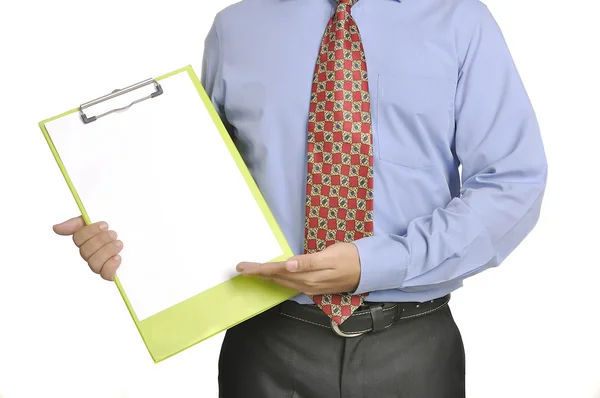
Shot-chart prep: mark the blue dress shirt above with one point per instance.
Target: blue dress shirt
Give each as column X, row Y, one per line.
column 460, row 168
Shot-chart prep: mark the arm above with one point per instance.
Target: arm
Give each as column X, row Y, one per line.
column 504, row 175
column 210, row 75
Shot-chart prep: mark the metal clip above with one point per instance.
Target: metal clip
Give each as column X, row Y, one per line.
column 158, row 91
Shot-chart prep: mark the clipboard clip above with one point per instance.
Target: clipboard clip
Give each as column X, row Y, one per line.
column 158, row 91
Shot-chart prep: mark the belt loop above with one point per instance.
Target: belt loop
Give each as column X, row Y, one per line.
column 377, row 316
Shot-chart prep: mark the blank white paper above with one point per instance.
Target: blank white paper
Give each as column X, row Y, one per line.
column 160, row 174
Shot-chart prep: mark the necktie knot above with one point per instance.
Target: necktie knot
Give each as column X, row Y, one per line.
column 347, row 3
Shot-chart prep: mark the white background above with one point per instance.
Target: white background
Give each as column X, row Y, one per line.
column 530, row 327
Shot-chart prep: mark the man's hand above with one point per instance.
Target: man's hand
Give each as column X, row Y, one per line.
column 98, row 246
column 335, row 269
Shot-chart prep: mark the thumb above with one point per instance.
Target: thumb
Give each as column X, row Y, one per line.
column 69, row 227
column 302, row 263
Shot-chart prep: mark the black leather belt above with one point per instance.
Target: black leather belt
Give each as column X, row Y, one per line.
column 370, row 317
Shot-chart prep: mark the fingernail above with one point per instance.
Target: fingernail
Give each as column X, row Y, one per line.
column 119, row 244
column 247, row 268
column 117, row 258
column 292, row 266
column 104, row 226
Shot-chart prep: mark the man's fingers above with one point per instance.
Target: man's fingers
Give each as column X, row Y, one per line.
column 287, row 283
column 302, row 263
column 70, row 226
column 307, row 287
column 106, row 252
column 246, row 266
column 88, row 232
column 97, row 245
column 273, row 271
column 94, row 244
column 267, row 269
column 305, row 282
column 305, row 263
column 109, row 269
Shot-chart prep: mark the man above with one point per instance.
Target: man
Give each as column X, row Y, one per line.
column 354, row 119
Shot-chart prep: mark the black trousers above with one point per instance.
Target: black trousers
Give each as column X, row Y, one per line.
column 273, row 356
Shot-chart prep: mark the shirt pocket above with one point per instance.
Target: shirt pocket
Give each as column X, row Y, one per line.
column 414, row 116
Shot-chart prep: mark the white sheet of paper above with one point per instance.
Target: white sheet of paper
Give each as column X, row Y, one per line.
column 161, row 176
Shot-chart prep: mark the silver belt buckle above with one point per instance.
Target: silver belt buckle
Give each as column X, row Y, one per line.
column 341, row 333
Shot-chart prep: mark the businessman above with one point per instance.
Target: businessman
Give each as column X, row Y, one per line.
column 398, row 150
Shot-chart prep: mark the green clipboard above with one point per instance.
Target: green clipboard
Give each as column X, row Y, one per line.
column 218, row 308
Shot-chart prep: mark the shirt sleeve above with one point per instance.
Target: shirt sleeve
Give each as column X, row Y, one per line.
column 210, row 75
column 504, row 172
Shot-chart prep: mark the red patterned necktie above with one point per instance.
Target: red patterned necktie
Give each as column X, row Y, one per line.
column 339, row 192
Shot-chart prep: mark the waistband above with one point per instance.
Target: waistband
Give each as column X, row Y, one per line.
column 370, row 317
